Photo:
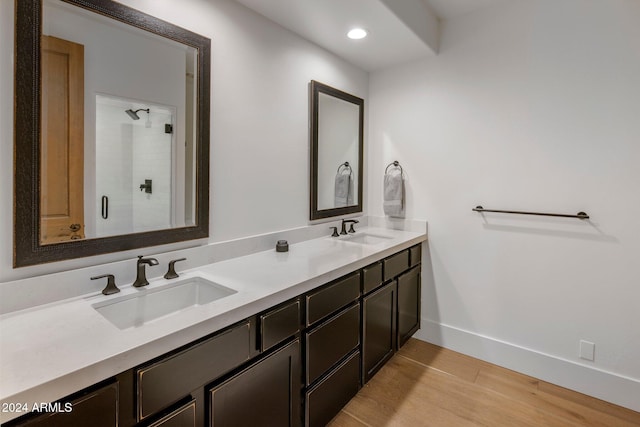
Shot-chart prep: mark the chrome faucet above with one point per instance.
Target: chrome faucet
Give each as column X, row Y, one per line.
column 344, row 226
column 141, row 277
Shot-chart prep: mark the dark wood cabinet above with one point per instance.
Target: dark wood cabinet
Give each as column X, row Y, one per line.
column 279, row 324
column 378, row 329
column 331, row 341
column 96, row 407
column 330, row 298
column 265, row 394
column 390, row 314
column 332, row 348
column 371, row 277
column 326, row 398
column 395, row 264
column 296, row 363
column 170, row 379
column 408, row 304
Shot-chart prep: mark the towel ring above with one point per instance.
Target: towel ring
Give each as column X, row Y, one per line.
column 346, row 166
column 396, row 164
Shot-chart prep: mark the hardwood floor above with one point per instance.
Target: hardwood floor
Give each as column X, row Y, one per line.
column 426, row 385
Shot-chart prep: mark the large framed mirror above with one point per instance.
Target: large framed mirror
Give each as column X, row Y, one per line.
column 111, row 133
column 337, row 120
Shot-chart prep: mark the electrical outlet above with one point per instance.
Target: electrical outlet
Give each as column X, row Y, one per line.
column 587, row 350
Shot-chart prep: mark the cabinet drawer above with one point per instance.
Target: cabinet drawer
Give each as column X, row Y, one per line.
column 331, row 341
column 415, row 255
column 167, row 381
column 279, row 324
column 184, row 416
column 95, row 408
column 332, row 298
column 326, row 399
column 395, row 264
column 371, row 277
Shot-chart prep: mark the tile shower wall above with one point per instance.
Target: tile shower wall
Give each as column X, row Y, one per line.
column 127, row 153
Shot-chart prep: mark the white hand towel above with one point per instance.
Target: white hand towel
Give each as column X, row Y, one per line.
column 394, row 195
column 343, row 191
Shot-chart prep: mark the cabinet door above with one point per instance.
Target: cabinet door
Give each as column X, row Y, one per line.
column 378, row 329
column 265, row 394
column 408, row 304
column 98, row 408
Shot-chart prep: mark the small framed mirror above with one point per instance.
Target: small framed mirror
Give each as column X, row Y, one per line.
column 111, row 131
column 337, row 123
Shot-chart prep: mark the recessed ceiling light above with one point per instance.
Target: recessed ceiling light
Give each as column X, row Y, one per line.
column 357, row 34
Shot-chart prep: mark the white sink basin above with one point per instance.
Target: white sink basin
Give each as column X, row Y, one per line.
column 366, row 238
column 146, row 305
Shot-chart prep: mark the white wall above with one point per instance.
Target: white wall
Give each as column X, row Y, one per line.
column 532, row 107
column 259, row 122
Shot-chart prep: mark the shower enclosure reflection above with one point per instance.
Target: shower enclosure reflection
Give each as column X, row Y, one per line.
column 140, row 170
column 125, row 117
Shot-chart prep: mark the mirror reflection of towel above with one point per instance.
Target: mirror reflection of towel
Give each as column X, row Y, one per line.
column 394, row 195
column 343, row 192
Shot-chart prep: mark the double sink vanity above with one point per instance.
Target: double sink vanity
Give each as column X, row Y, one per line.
column 256, row 337
column 270, row 338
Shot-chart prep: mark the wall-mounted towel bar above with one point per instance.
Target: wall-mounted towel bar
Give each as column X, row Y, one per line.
column 579, row 215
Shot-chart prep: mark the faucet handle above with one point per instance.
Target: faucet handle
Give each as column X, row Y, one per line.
column 111, row 287
column 353, row 222
column 335, row 231
column 171, row 272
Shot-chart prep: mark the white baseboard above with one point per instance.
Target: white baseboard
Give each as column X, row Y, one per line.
column 608, row 386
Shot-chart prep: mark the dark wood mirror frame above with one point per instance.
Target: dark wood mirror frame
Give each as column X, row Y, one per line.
column 315, row 89
column 27, row 247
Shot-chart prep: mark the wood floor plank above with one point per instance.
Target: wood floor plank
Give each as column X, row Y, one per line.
column 344, row 419
column 423, row 385
column 525, row 389
column 405, row 393
column 591, row 402
column 457, row 364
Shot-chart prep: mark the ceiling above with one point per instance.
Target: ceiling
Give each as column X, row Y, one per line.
column 449, row 9
column 399, row 30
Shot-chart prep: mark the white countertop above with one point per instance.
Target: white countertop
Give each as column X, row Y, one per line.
column 51, row 351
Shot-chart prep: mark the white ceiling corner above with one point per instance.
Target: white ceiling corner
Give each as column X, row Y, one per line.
column 449, row 9
column 326, row 22
column 399, row 30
